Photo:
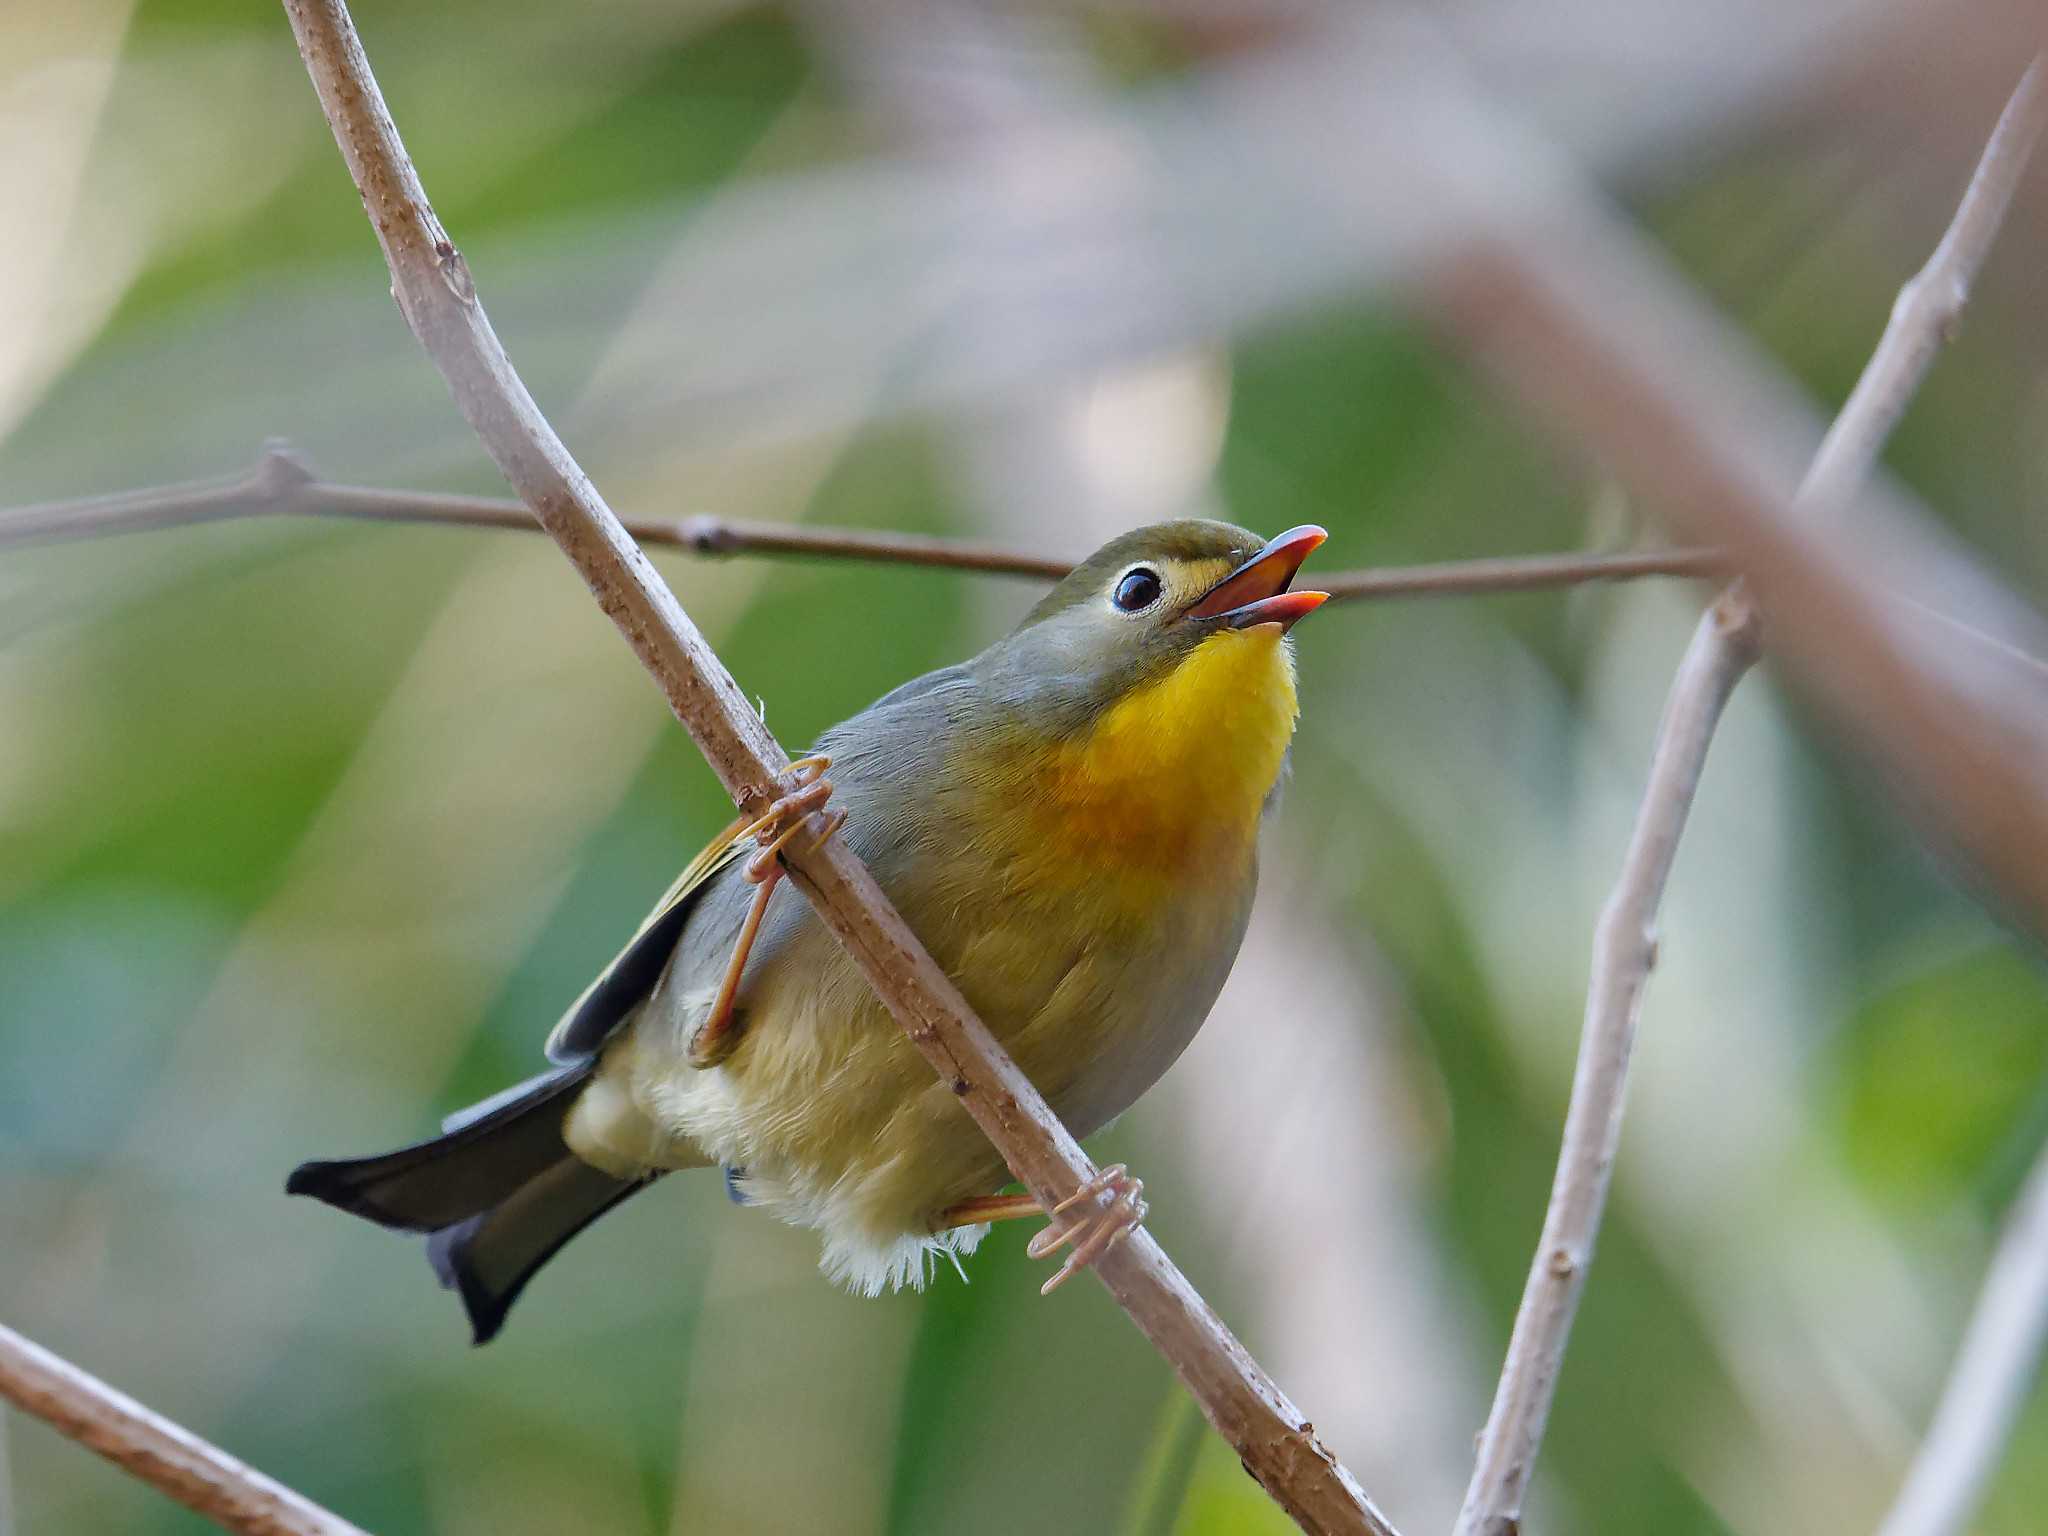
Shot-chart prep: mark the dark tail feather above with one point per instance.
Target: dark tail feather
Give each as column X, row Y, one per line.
column 490, row 1256
column 487, row 1153
column 499, row 1192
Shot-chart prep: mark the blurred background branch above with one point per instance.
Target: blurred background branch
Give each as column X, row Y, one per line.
column 1583, row 329
column 1724, row 647
column 1995, row 1368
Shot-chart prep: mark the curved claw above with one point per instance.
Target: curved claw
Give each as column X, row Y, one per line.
column 808, row 789
column 1094, row 1233
column 784, row 820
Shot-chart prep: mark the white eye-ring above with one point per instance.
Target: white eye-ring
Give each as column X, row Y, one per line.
column 1137, row 589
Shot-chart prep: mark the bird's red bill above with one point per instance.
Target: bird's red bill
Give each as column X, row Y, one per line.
column 1256, row 592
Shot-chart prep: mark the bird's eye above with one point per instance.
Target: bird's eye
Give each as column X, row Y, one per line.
column 1138, row 590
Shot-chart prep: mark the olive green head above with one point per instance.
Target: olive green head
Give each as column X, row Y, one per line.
column 1141, row 606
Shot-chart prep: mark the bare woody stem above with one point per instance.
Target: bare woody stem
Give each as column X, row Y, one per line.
column 147, row 1446
column 434, row 290
column 1445, row 578
column 280, row 485
column 1723, row 648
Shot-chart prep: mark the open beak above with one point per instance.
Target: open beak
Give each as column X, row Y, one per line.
column 1256, row 592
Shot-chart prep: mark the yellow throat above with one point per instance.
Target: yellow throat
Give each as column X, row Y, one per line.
column 1179, row 770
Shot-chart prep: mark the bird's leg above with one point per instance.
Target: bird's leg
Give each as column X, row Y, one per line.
column 1093, row 1232
column 982, row 1208
column 713, row 1039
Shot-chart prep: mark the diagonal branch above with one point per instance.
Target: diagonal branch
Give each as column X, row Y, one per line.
column 280, row 485
column 434, row 289
column 2000, row 1354
column 149, row 1447
column 1722, row 650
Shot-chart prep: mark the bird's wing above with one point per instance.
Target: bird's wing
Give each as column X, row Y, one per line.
column 624, row 984
column 921, row 707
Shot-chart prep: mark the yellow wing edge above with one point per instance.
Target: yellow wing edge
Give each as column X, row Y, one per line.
column 625, row 983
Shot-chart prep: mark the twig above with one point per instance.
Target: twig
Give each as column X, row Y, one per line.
column 147, row 1446
column 715, row 536
column 1722, row 650
column 278, row 485
column 435, row 291
column 1449, row 578
column 281, row 485
column 1517, row 573
column 2000, row 1354
column 1624, row 950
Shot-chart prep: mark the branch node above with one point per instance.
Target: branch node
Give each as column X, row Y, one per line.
column 705, row 536
column 1739, row 623
column 280, row 473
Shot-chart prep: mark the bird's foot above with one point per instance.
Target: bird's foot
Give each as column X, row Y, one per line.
column 780, row 823
column 1095, row 1229
column 713, row 1040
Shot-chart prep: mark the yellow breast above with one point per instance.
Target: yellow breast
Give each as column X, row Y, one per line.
column 1174, row 776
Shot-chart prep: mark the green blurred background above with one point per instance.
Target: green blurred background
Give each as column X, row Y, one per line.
column 309, row 832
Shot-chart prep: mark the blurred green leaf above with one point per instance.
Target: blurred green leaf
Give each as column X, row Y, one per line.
column 1934, row 1074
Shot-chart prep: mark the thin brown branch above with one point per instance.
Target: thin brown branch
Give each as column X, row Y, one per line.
column 280, row 485
column 149, row 1447
column 716, row 536
column 1449, row 578
column 2000, row 1355
column 438, row 297
column 1722, row 650
column 1518, row 573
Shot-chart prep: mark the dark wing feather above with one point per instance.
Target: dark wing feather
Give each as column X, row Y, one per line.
column 625, row 984
column 628, row 980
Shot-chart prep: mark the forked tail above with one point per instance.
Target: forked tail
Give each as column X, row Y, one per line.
column 498, row 1192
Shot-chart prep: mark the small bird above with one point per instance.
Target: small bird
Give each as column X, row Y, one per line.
column 1069, row 822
